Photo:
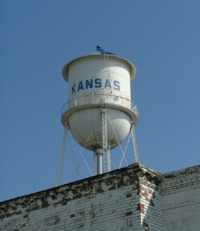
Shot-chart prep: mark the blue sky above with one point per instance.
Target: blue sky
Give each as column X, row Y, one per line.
column 37, row 38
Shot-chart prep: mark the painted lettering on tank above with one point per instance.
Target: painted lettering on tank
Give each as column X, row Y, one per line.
column 116, row 85
column 73, row 89
column 80, row 86
column 107, row 83
column 97, row 84
column 89, row 83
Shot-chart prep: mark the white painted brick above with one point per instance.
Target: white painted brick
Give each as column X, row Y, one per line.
column 180, row 192
column 101, row 211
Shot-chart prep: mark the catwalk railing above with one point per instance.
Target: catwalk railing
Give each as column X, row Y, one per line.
column 99, row 99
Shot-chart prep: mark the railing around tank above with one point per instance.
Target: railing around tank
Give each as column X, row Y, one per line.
column 99, row 99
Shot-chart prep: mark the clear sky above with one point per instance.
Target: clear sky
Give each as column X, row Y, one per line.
column 37, row 38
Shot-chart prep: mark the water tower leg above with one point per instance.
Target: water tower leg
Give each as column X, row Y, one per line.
column 62, row 155
column 94, row 164
column 99, row 155
column 104, row 139
column 108, row 159
column 134, row 144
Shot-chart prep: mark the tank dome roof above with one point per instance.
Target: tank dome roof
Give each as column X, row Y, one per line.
column 96, row 54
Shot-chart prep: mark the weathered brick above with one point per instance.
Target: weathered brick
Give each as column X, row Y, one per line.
column 180, row 193
column 90, row 204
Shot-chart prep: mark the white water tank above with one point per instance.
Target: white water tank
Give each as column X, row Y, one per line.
column 96, row 82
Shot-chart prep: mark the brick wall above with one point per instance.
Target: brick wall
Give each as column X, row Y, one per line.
column 180, row 192
column 124, row 199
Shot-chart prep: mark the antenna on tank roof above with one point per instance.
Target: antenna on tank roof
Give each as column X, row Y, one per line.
column 99, row 113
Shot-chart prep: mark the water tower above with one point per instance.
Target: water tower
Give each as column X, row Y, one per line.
column 99, row 112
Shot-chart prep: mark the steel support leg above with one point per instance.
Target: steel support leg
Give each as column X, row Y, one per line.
column 134, row 144
column 108, row 159
column 99, row 154
column 62, row 155
column 104, row 139
column 99, row 164
column 94, row 164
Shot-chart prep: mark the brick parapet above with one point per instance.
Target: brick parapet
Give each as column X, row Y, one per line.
column 118, row 200
column 180, row 191
column 181, row 180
